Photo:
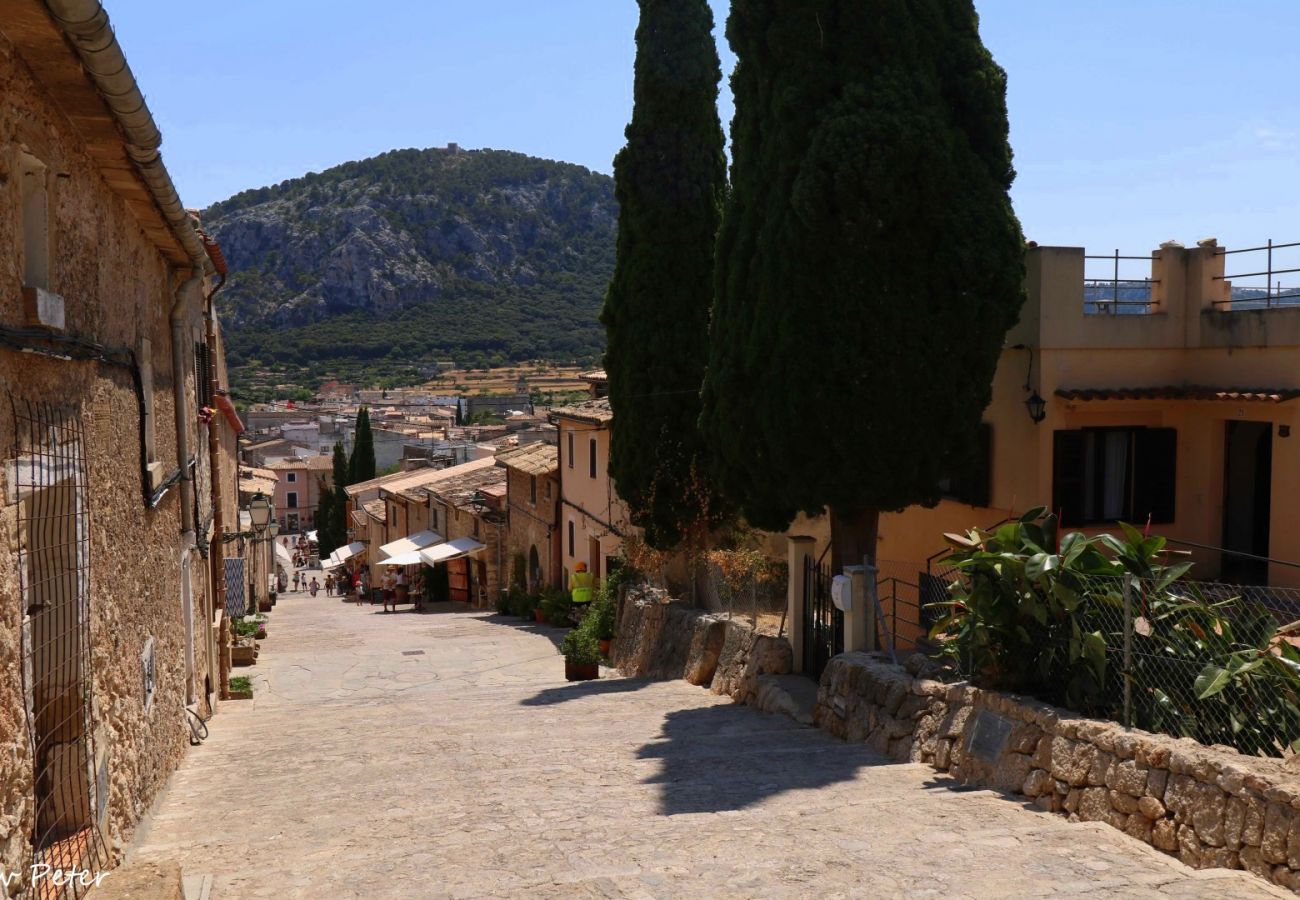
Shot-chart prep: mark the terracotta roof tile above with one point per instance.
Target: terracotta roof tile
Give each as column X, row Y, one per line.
column 1184, row 392
column 538, row 458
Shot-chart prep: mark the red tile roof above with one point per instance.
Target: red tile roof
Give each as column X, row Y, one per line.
column 1189, row 392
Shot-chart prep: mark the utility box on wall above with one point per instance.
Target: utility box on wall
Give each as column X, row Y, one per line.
column 842, row 592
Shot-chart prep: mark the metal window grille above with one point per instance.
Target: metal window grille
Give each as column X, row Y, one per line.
column 235, row 605
column 48, row 485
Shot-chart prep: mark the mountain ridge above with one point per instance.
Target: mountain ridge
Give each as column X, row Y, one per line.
column 483, row 256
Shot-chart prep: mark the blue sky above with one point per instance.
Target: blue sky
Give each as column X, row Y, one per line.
column 1132, row 122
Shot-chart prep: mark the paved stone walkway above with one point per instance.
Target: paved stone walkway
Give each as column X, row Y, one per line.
column 443, row 755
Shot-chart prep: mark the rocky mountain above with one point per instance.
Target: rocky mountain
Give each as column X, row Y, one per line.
column 481, row 256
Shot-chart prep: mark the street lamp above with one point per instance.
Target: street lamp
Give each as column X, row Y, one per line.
column 1037, row 407
column 259, row 512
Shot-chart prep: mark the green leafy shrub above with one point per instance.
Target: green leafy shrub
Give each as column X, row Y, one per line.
column 1032, row 615
column 556, row 605
column 581, row 648
column 240, row 683
column 503, row 603
column 600, row 618
column 521, row 603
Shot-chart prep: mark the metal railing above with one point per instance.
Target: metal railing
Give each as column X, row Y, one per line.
column 1274, row 294
column 1115, row 295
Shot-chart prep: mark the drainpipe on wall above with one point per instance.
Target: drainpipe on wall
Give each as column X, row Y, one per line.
column 179, row 314
column 217, row 553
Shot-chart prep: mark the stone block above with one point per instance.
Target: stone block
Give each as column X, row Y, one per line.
column 1099, row 772
column 1048, row 802
column 1277, row 825
column 1037, row 783
column 1071, row 761
column 1094, row 805
column 1128, row 778
column 1189, row 846
column 705, row 650
column 1151, row 808
column 1207, row 810
column 1252, row 860
column 1252, row 826
column 1164, row 835
column 1178, row 796
column 1010, row 772
column 942, row 754
column 1293, row 843
column 1071, row 802
column 1234, row 821
column 1157, row 779
column 1024, row 738
column 1139, row 827
column 1122, row 802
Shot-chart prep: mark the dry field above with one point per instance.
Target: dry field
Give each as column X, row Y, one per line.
column 541, row 377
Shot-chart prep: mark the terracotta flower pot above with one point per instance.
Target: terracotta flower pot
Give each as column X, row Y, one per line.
column 581, row 671
column 604, row 647
column 538, row 616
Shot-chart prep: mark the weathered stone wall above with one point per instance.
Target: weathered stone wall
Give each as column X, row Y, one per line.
column 662, row 638
column 118, row 292
column 1209, row 806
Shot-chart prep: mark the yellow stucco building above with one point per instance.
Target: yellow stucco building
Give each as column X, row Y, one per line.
column 1176, row 408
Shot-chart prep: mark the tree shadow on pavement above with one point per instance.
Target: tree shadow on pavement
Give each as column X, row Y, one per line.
column 553, row 633
column 722, row 757
column 578, row 689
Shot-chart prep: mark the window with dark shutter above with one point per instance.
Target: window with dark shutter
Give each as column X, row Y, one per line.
column 1104, row 475
column 1155, row 460
column 592, row 460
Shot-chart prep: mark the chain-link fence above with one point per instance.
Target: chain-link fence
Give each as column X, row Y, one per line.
column 752, row 590
column 1215, row 662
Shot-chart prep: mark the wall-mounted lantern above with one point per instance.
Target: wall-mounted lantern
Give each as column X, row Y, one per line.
column 1037, row 407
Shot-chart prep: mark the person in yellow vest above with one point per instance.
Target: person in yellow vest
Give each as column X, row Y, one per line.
column 581, row 583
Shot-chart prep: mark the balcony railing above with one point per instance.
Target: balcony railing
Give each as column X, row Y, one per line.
column 1270, row 294
column 1108, row 291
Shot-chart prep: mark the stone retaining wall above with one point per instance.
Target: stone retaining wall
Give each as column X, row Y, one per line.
column 1209, row 806
column 663, row 638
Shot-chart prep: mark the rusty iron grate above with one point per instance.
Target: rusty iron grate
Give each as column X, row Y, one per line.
column 48, row 485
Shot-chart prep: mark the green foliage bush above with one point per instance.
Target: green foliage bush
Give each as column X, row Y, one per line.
column 556, row 605
column 1030, row 615
column 581, row 648
column 522, row 603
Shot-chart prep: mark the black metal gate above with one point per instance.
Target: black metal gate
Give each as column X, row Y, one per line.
column 823, row 624
column 69, row 785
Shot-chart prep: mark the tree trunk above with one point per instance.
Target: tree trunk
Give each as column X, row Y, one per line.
column 853, row 536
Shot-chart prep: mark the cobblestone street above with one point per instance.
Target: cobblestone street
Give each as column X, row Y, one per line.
column 443, row 755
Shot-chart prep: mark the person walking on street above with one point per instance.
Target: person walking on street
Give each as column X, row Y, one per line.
column 581, row 585
column 314, row 586
column 297, row 580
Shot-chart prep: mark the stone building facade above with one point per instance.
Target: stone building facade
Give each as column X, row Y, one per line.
column 533, row 503
column 469, row 502
column 107, row 515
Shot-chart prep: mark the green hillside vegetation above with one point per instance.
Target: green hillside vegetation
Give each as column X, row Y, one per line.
column 372, row 270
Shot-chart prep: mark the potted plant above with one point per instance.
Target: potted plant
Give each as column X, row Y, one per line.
column 581, row 656
column 241, row 688
column 555, row 606
column 602, row 619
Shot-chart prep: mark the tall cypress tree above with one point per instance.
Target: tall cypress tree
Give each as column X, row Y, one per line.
column 362, row 465
column 326, row 520
column 669, row 182
column 869, row 261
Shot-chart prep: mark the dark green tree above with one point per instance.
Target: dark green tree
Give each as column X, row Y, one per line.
column 669, row 181
column 869, row 260
column 362, row 465
column 326, row 520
